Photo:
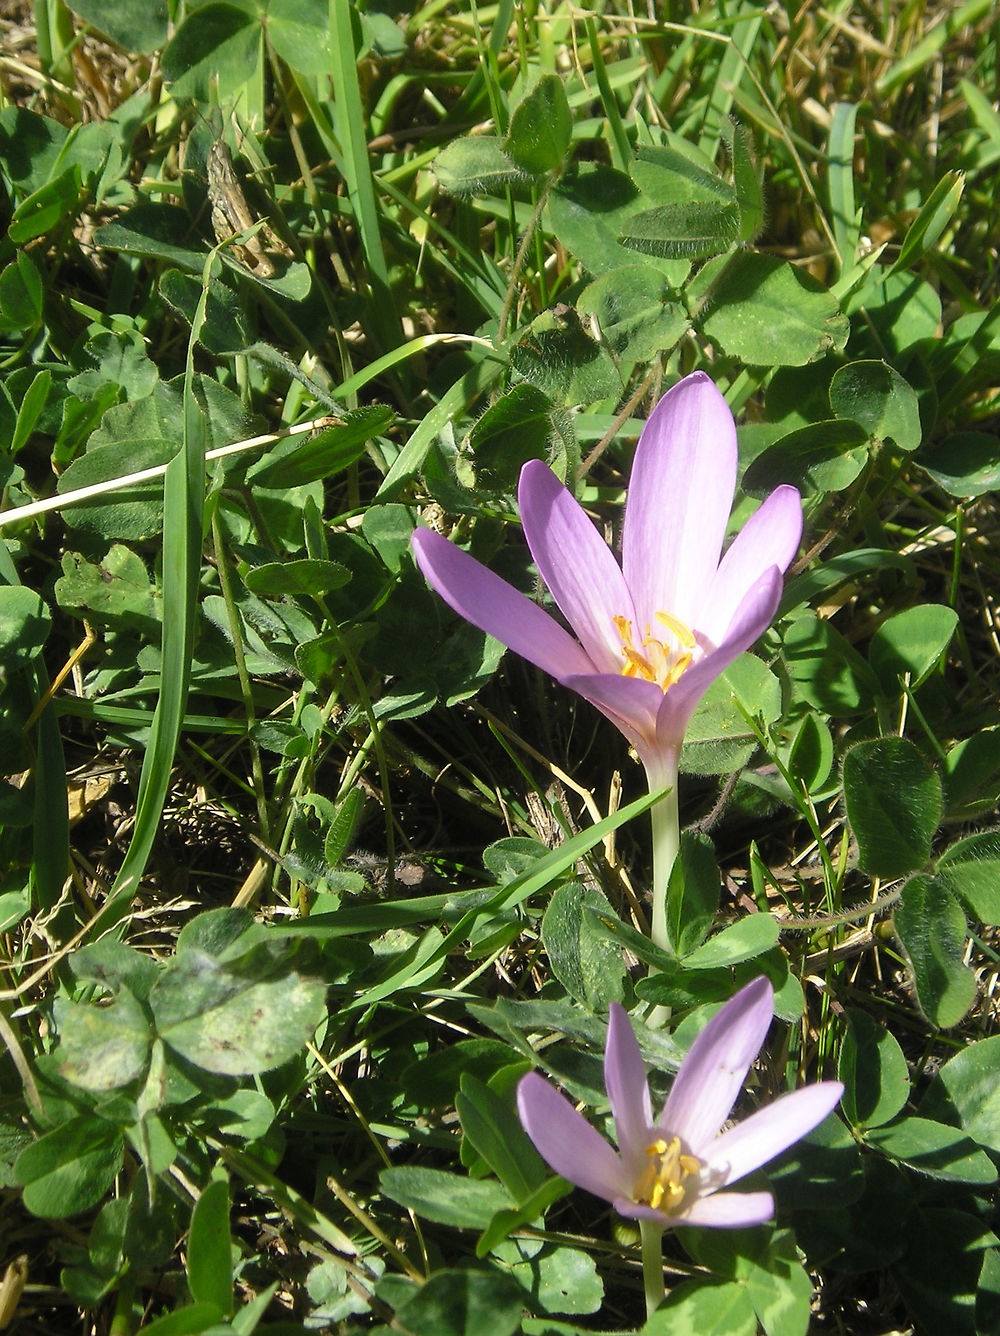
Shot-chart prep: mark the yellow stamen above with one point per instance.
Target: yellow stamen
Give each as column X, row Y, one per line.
column 656, row 660
column 661, row 1184
column 677, row 629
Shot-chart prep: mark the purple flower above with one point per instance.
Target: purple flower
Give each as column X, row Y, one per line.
column 672, row 1171
column 653, row 633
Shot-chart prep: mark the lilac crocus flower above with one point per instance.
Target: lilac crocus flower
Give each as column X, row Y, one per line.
column 653, row 633
column 673, row 1171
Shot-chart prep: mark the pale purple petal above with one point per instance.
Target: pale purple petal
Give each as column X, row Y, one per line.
column 769, row 538
column 728, row 1210
column 712, row 1074
column 628, row 1090
column 679, row 498
column 769, row 1131
column 637, row 1210
column 631, row 703
column 566, row 1141
column 750, row 621
column 576, row 564
column 496, row 607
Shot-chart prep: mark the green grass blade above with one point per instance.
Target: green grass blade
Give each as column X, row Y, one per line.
column 183, row 504
column 840, row 175
column 450, row 407
column 357, row 170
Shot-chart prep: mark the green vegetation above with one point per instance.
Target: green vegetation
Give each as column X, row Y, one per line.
column 299, row 872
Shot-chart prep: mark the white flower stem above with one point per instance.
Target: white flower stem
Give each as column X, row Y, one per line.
column 652, row 1264
column 666, row 842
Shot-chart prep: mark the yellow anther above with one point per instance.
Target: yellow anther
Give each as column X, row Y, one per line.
column 677, row 628
column 661, row 1184
column 656, row 661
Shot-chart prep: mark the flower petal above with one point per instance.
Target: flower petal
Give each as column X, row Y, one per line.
column 679, row 498
column 769, row 538
column 769, row 1131
column 750, row 621
column 629, row 702
column 728, row 1210
column 566, row 1141
column 496, row 607
column 712, row 1074
column 576, row 563
column 628, row 1091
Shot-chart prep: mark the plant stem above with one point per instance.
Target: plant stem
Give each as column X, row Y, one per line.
column 652, row 1264
column 666, row 842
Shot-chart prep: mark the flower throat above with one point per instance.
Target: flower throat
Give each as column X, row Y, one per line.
column 660, row 661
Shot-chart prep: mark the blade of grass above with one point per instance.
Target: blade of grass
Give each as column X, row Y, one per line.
column 619, row 138
column 183, row 504
column 732, row 69
column 928, row 47
column 452, row 404
column 357, row 171
column 840, row 175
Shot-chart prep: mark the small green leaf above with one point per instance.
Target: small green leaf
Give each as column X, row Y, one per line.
column 972, row 779
column 910, row 644
column 704, row 1308
column 875, row 395
column 103, row 1047
column 520, row 425
column 209, row 1265
column 25, row 623
column 564, row 362
column 218, row 42
column 718, row 739
column 21, row 293
column 237, row 1019
column 893, row 798
column 341, row 829
column 825, row 668
column 821, row 457
column 810, row 756
column 116, row 590
column 873, row 1071
column 305, row 577
column 971, row 868
column 223, row 329
column 463, row 1303
column 934, row 1149
column 765, row 312
column 299, row 460
column 932, row 929
column 634, row 312
column 559, row 1279
column 71, row 1168
column 492, row 1127
column 746, row 939
column 300, row 33
column 540, row 128
column 964, row 463
column 746, row 183
column 141, row 29
column 53, row 204
column 691, row 230
column 476, row 165
column 935, row 214
column 692, row 893
column 447, row 1199
column 965, row 1093
column 585, row 962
